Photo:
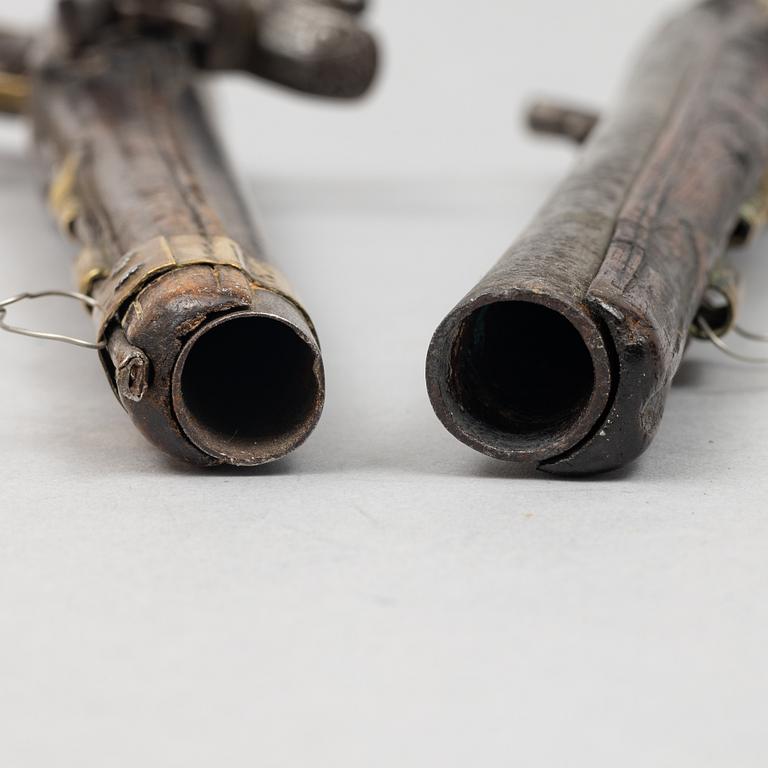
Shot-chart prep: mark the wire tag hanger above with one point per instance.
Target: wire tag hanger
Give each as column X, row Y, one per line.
column 28, row 296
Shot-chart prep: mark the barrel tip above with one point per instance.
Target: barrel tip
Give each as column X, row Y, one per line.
column 520, row 377
column 249, row 387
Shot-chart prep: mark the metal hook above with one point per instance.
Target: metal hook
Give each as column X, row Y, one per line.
column 83, row 299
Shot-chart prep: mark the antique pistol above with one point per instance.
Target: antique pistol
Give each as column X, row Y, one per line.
column 562, row 357
column 203, row 341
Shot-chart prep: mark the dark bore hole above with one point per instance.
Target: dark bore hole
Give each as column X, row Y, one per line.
column 522, row 368
column 250, row 379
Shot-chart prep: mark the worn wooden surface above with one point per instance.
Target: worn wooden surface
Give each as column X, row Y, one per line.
column 624, row 246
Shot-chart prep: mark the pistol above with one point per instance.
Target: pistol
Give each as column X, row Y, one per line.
column 203, row 340
column 563, row 355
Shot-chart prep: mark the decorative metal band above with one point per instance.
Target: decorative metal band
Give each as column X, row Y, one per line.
column 14, row 92
column 141, row 265
column 62, row 196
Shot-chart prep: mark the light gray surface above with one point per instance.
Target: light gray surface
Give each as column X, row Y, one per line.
column 386, row 597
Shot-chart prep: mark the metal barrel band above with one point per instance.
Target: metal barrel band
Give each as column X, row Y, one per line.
column 163, row 254
column 29, row 296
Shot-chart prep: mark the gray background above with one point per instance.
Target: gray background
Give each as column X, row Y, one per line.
column 386, row 597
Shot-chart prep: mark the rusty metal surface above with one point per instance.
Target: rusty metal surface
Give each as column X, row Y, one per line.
column 622, row 250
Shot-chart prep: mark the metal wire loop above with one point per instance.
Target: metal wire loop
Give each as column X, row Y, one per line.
column 727, row 349
column 750, row 336
column 83, row 299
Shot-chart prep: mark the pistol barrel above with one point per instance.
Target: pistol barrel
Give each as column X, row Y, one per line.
column 563, row 355
column 207, row 347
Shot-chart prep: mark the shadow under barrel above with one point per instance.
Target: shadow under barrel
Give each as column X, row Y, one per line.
column 563, row 355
